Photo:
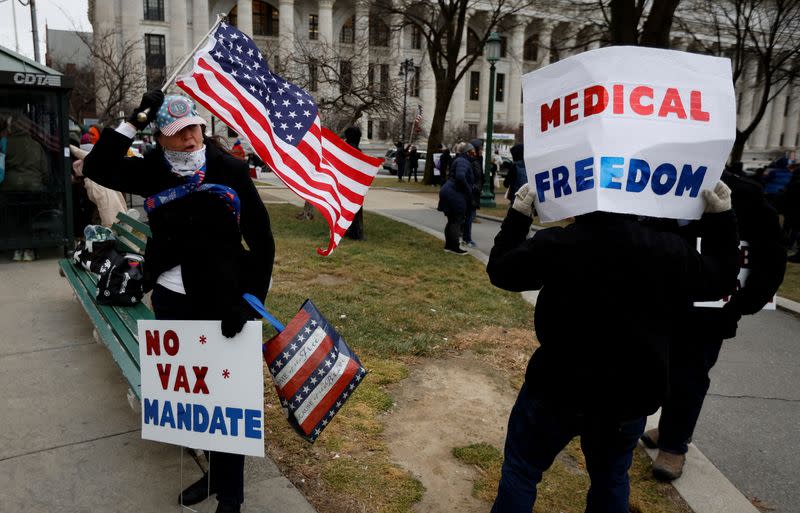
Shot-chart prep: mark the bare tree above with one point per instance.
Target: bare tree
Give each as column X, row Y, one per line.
column 119, row 73
column 82, row 97
column 764, row 33
column 442, row 24
column 343, row 94
column 628, row 22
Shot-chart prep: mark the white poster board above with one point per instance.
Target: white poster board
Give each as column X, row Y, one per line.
column 744, row 272
column 200, row 389
column 627, row 129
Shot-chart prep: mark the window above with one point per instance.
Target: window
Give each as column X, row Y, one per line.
column 313, row 27
column 313, row 75
column 530, row 50
column 473, row 43
column 503, row 47
column 416, row 37
column 472, row 130
column 378, row 32
column 781, row 141
column 500, row 88
column 155, row 60
column 345, row 77
column 154, row 10
column 348, row 33
column 265, row 19
column 384, row 79
column 475, row 85
column 371, row 77
column 413, row 86
column 369, row 129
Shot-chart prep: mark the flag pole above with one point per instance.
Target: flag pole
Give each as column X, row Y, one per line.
column 142, row 116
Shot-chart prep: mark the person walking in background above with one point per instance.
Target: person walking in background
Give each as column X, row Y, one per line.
column 791, row 221
column 455, row 197
column 516, row 176
column 238, row 150
column 201, row 204
column 776, row 179
column 400, row 159
column 413, row 162
column 598, row 374
column 444, row 164
column 696, row 348
column 476, row 161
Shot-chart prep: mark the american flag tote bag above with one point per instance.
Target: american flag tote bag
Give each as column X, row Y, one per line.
column 312, row 368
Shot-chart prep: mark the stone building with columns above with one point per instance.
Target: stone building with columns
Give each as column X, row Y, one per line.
column 530, row 39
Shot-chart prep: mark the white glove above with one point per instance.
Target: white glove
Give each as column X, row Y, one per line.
column 718, row 200
column 523, row 200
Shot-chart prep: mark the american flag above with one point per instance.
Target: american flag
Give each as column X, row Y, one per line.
column 313, row 370
column 232, row 80
column 418, row 119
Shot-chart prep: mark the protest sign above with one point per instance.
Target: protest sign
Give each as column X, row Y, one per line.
column 744, row 272
column 627, row 129
column 200, row 389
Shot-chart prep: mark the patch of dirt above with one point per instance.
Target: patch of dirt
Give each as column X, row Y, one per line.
column 444, row 404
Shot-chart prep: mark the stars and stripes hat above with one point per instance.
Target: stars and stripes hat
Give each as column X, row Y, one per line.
column 176, row 113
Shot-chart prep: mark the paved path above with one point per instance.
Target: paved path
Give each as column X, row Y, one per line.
column 69, row 442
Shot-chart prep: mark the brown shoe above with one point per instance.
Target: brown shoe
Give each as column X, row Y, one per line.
column 650, row 438
column 668, row 466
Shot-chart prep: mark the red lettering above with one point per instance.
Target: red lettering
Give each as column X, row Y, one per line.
column 153, row 342
column 200, row 385
column 672, row 104
column 636, row 100
column 163, row 374
column 619, row 100
column 570, row 106
column 181, row 381
column 551, row 114
column 595, row 100
column 696, row 107
column 171, row 343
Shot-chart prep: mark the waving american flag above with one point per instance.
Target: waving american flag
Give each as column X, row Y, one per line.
column 280, row 120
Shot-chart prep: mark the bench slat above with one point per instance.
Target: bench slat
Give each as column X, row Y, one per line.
column 128, row 238
column 119, row 353
column 136, row 225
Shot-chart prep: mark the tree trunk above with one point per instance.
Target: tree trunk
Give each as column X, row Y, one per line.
column 738, row 147
column 437, row 131
column 658, row 25
column 624, row 22
column 356, row 229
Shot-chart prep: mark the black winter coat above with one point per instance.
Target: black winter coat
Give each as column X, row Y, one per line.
column 611, row 291
column 197, row 231
column 455, row 196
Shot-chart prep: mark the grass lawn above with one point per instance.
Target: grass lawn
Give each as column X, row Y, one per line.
column 790, row 288
column 395, row 298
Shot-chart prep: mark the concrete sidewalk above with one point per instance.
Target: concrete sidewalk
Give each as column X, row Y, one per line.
column 69, row 441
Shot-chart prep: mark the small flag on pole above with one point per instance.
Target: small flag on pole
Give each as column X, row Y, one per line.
column 280, row 120
column 418, row 120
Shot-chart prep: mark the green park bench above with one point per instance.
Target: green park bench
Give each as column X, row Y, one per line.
column 115, row 326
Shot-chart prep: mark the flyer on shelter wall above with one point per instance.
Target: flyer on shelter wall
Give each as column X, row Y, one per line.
column 629, row 130
column 201, row 389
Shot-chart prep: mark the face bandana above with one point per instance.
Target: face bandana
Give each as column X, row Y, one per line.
column 185, row 163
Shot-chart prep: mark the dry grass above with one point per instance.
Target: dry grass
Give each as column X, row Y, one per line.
column 790, row 288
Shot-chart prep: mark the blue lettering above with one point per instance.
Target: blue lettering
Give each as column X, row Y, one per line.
column 150, row 411
column 235, row 415
column 185, row 416
column 636, row 167
column 690, row 181
column 217, row 422
column 252, row 424
column 584, row 174
column 200, row 418
column 560, row 181
column 541, row 184
column 664, row 170
column 611, row 168
column 167, row 417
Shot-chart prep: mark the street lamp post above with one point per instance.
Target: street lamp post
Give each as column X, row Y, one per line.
column 407, row 69
column 492, row 49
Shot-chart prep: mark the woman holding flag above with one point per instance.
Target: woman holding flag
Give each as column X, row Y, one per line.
column 200, row 202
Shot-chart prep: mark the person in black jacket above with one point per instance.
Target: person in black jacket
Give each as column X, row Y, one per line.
column 695, row 351
column 611, row 288
column 400, row 159
column 455, row 197
column 413, row 162
column 201, row 202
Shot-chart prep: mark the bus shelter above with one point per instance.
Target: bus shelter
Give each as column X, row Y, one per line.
column 35, row 189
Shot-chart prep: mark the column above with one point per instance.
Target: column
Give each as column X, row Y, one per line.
column 793, row 118
column 286, row 30
column 758, row 139
column 777, row 126
column 200, row 20
column 244, row 16
column 514, row 93
column 176, row 39
column 361, row 52
column 326, row 22
column 459, row 94
column 545, row 42
column 427, row 93
column 746, row 90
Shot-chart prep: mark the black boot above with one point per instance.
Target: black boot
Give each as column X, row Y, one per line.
column 197, row 492
column 227, row 507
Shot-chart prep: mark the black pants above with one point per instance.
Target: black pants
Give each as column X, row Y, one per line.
column 412, row 169
column 452, row 230
column 690, row 362
column 227, row 470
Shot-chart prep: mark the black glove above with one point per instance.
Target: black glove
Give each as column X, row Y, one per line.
column 150, row 100
column 233, row 320
column 730, row 320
